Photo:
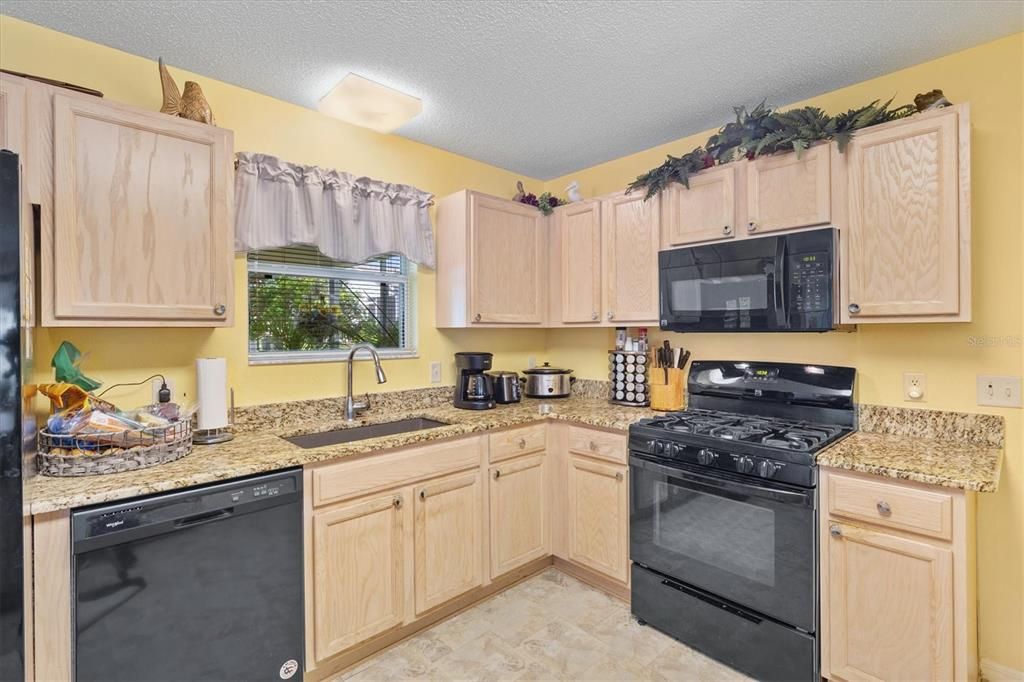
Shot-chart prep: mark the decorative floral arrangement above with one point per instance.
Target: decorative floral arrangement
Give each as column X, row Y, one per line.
column 546, row 202
column 762, row 131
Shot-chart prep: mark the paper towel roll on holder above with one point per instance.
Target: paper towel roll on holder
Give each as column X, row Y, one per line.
column 218, row 435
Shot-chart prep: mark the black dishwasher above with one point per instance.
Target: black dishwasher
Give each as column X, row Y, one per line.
column 198, row 584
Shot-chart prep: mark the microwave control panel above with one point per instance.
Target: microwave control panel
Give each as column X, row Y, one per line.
column 810, row 282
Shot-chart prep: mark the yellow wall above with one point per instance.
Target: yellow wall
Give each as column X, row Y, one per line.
column 990, row 77
column 268, row 125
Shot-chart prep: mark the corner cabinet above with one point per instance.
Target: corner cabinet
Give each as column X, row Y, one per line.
column 908, row 255
column 491, row 262
column 897, row 576
column 134, row 211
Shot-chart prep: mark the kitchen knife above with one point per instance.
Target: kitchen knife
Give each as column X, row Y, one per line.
column 683, row 359
column 667, row 349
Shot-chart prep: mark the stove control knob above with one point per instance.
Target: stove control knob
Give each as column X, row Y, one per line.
column 706, row 457
column 744, row 464
column 659, row 447
column 767, row 468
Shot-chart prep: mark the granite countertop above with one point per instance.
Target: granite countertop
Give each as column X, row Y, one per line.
column 260, row 446
column 949, row 449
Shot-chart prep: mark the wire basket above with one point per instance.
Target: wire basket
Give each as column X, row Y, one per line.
column 88, row 454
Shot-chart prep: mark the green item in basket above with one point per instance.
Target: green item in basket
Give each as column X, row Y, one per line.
column 65, row 366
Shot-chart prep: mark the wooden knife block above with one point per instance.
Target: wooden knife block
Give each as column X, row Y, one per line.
column 670, row 396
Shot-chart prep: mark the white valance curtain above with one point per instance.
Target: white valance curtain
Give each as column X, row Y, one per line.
column 350, row 219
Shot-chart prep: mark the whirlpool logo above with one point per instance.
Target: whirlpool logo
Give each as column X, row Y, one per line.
column 290, row 667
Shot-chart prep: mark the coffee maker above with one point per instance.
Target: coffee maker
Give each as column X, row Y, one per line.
column 474, row 390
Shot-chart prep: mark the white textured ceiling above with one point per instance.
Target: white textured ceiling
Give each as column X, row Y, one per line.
column 542, row 87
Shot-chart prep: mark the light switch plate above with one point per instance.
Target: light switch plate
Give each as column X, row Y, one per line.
column 915, row 385
column 999, row 391
column 435, row 372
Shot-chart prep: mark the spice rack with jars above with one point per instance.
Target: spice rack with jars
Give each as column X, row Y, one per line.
column 628, row 373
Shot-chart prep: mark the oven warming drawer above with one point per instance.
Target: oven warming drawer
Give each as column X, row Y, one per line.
column 756, row 646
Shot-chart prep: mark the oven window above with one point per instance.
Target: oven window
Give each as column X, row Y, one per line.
column 729, row 535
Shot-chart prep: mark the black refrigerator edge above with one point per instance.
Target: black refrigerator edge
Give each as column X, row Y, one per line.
column 13, row 367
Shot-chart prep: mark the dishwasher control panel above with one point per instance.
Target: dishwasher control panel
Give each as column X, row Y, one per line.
column 182, row 509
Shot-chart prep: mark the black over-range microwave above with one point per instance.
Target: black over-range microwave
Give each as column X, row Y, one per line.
column 783, row 283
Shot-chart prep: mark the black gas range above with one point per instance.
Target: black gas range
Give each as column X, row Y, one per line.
column 723, row 520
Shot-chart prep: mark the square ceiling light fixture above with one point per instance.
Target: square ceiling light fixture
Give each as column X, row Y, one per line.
column 363, row 102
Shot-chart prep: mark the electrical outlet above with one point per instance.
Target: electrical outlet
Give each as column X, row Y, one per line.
column 155, row 385
column 435, row 372
column 914, row 385
column 999, row 391
column 531, row 362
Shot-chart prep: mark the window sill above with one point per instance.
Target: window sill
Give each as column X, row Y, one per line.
column 308, row 357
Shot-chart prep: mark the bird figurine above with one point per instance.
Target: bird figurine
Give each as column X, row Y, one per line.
column 573, row 190
column 927, row 101
column 191, row 104
column 520, row 193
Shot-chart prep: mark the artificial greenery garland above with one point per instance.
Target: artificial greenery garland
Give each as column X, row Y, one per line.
column 763, row 131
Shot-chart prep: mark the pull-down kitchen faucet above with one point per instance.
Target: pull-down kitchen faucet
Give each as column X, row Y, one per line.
column 352, row 408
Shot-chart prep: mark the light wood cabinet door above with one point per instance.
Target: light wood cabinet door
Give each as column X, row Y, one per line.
column 448, row 532
column 599, row 517
column 908, row 237
column 358, row 560
column 890, row 607
column 704, row 212
column 630, row 235
column 142, row 231
column 518, row 513
column 786, row 191
column 14, row 108
column 579, row 229
column 507, row 262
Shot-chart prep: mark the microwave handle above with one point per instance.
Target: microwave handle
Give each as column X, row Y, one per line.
column 779, row 294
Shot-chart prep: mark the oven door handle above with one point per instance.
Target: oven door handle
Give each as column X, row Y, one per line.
column 805, row 499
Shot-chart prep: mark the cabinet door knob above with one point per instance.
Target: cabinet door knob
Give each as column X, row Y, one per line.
column 751, row 226
column 835, row 531
column 594, row 316
column 883, row 508
column 853, row 308
column 611, row 315
column 219, row 309
column 618, row 476
column 593, row 446
column 476, row 318
column 397, row 502
column 521, row 443
column 423, row 494
column 497, row 474
column 726, row 229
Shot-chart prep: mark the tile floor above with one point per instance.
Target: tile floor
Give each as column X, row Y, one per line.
column 550, row 627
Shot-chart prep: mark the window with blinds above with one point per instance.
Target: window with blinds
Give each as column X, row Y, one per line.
column 304, row 306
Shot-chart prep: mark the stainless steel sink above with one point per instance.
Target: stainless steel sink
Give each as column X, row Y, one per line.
column 324, row 438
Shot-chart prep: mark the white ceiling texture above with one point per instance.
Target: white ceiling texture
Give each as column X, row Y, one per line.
column 542, row 87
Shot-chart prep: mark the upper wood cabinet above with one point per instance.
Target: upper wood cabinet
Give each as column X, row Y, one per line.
column 491, row 262
column 577, row 228
column 630, row 232
column 358, row 560
column 704, row 212
column 448, row 539
column 908, row 238
column 14, row 136
column 786, row 191
column 141, row 231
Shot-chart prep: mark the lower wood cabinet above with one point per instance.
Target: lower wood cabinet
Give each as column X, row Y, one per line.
column 358, row 572
column 518, row 513
column 598, row 516
column 897, row 595
column 448, row 539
